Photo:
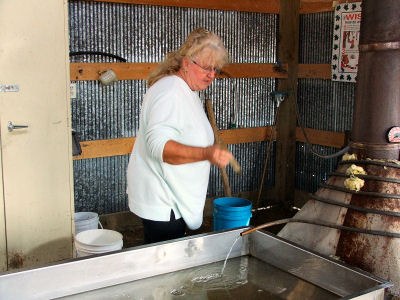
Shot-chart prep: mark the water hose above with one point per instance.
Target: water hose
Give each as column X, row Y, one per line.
column 75, row 53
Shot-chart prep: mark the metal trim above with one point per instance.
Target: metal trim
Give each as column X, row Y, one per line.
column 375, row 147
column 379, row 46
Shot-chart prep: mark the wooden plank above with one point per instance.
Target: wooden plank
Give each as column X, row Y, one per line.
column 322, row 71
column 123, row 146
column 253, row 71
column 316, row 6
column 124, row 71
column 138, row 71
column 245, row 135
column 320, row 137
column 260, row 6
column 104, row 148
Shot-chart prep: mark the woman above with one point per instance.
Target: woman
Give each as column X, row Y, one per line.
column 169, row 167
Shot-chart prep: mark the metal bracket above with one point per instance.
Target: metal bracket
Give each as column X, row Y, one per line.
column 279, row 97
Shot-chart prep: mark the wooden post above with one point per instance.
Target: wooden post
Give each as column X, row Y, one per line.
column 286, row 122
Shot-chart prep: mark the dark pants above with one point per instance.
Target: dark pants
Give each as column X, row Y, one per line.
column 158, row 231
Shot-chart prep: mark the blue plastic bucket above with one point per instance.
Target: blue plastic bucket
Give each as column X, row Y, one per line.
column 230, row 212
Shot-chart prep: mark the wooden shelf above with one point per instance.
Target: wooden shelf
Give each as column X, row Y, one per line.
column 123, row 146
column 316, row 6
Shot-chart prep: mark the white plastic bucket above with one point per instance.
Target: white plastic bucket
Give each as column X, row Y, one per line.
column 86, row 221
column 95, row 241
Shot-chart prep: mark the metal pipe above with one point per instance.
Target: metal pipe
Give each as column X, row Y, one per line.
column 324, row 224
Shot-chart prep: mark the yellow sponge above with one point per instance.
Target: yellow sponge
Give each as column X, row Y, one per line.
column 348, row 156
column 354, row 170
column 354, row 183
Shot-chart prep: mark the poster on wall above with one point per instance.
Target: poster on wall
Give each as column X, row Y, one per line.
column 346, row 35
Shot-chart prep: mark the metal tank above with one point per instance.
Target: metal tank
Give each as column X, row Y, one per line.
column 376, row 111
column 261, row 266
column 362, row 226
column 377, row 103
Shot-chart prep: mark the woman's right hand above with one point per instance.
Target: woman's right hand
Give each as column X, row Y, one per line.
column 218, row 156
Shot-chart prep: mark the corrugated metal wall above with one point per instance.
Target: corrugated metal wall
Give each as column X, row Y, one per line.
column 323, row 104
column 141, row 33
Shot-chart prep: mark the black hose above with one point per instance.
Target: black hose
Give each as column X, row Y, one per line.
column 75, row 53
column 368, row 177
column 356, row 208
column 358, row 230
column 369, row 194
column 370, row 162
column 328, row 156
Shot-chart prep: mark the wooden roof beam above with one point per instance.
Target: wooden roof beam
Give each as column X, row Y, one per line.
column 258, row 6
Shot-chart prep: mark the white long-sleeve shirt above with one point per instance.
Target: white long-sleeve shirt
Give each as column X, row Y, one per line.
column 170, row 111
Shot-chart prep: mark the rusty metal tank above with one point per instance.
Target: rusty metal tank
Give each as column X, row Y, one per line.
column 380, row 200
column 377, row 102
column 376, row 110
column 364, row 224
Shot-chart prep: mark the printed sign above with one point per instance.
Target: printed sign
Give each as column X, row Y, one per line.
column 346, row 36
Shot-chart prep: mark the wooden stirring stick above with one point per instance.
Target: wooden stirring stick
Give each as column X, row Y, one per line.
column 233, row 162
column 224, row 175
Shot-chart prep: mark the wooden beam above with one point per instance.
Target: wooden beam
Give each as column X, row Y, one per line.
column 123, row 146
column 316, row 6
column 104, row 148
column 260, row 6
column 245, row 135
column 322, row 71
column 285, row 165
column 253, row 71
column 138, row 71
column 124, row 71
column 321, row 137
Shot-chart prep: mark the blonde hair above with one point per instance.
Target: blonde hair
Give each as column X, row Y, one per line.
column 197, row 41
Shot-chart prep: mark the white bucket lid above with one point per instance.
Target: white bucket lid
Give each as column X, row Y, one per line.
column 98, row 237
